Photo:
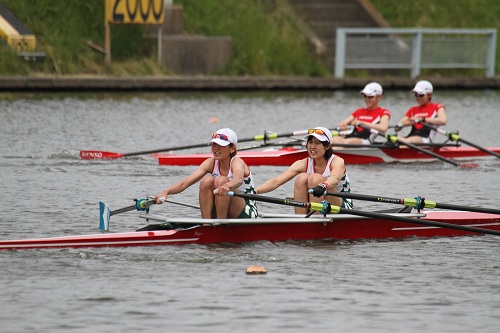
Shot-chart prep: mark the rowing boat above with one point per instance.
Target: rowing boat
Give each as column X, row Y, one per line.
column 273, row 228
column 286, row 156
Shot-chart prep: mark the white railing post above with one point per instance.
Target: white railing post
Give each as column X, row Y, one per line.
column 340, row 48
column 416, row 54
column 491, row 54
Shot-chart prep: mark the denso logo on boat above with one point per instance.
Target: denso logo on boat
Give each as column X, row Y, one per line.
column 90, row 154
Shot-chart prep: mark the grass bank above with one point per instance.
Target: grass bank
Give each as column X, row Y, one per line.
column 266, row 39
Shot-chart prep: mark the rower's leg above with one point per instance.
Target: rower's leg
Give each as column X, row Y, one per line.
column 206, row 197
column 300, row 191
column 221, row 202
column 411, row 139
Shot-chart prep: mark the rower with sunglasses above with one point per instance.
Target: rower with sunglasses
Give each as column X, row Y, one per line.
column 321, row 170
column 219, row 174
column 425, row 111
column 372, row 116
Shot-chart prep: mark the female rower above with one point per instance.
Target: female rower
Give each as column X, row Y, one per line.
column 373, row 116
column 219, row 174
column 322, row 171
column 426, row 111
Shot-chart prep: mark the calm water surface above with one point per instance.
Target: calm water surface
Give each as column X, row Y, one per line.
column 415, row 285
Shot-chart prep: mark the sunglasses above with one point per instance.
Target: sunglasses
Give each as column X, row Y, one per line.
column 369, row 97
column 419, row 95
column 220, row 136
column 317, row 131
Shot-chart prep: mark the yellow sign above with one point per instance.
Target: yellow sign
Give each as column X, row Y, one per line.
column 134, row 11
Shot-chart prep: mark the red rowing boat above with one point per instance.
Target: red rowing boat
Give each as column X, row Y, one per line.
column 275, row 228
column 276, row 157
column 286, row 156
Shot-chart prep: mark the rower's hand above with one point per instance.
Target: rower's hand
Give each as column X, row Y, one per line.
column 418, row 119
column 222, row 190
column 161, row 198
column 398, row 127
column 319, row 190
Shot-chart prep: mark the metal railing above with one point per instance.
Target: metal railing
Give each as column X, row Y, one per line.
column 415, row 49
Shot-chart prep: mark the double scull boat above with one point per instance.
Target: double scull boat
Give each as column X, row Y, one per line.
column 275, row 228
column 383, row 154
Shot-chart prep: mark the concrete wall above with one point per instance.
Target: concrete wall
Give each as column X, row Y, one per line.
column 196, row 54
column 188, row 54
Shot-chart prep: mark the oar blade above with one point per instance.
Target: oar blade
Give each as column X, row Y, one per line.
column 104, row 216
column 99, row 155
column 469, row 165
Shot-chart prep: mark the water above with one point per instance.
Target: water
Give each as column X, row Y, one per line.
column 443, row 284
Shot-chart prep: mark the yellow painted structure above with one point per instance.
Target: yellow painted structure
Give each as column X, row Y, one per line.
column 16, row 40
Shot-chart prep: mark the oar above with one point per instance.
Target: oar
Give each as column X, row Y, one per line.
column 182, row 204
column 457, row 138
column 100, row 154
column 390, row 145
column 415, row 202
column 394, row 139
column 140, row 205
column 328, row 208
column 106, row 212
column 290, row 143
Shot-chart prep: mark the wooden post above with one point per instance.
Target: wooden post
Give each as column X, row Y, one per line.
column 160, row 37
column 108, row 43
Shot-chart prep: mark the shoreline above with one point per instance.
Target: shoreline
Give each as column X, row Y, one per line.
column 89, row 83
